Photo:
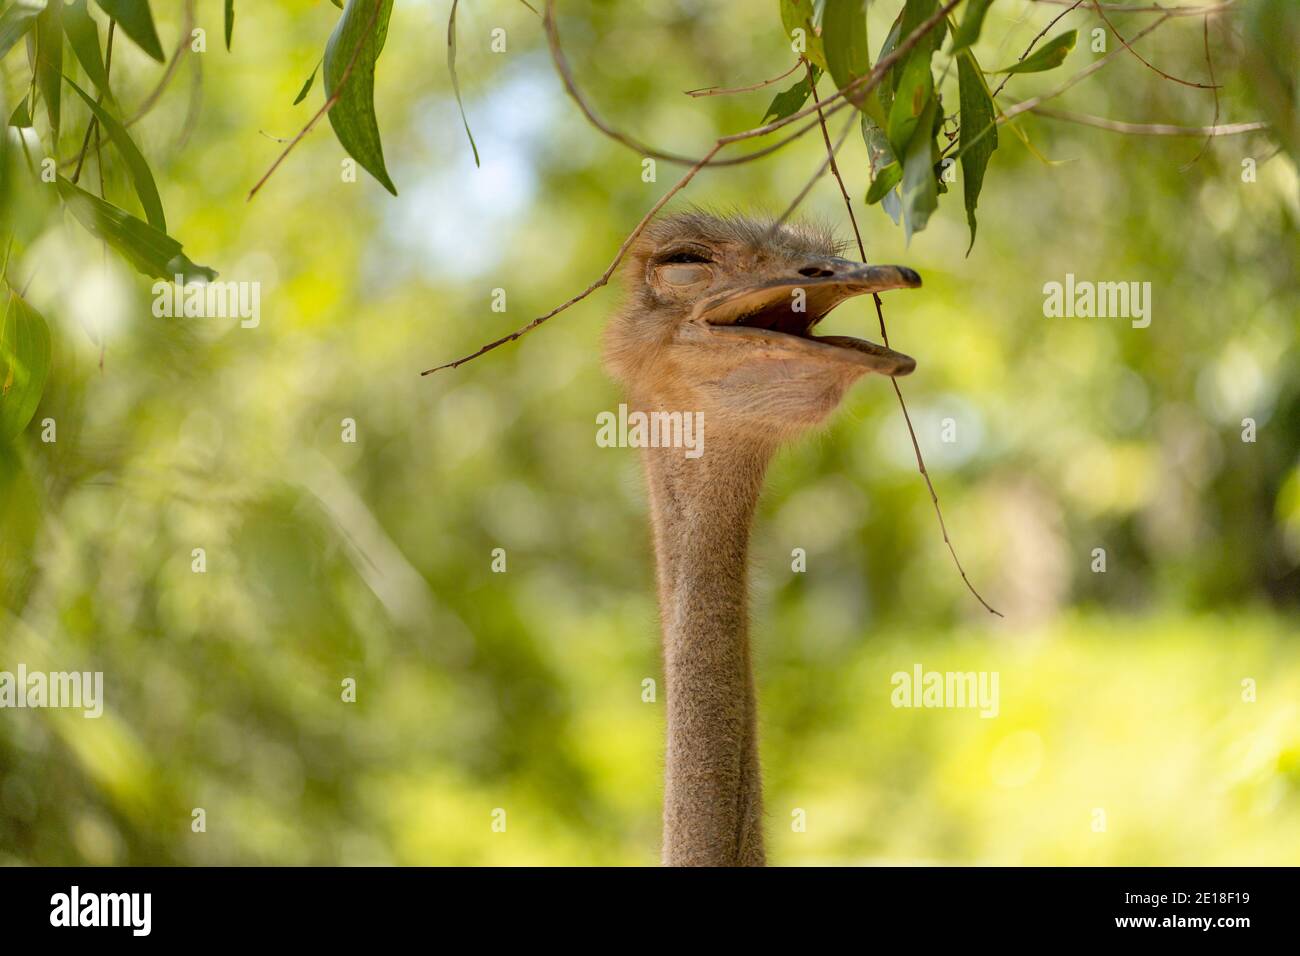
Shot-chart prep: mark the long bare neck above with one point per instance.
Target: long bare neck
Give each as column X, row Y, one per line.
column 702, row 510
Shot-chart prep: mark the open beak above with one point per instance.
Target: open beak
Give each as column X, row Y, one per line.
column 782, row 312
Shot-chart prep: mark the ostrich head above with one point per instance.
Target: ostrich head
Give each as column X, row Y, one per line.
column 720, row 314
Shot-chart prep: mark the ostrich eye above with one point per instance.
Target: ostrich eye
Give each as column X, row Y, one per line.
column 684, row 257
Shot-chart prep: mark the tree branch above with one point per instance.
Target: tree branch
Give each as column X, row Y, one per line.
column 1184, row 11
column 604, row 278
column 1149, row 129
column 1143, row 60
column 719, row 91
column 327, row 105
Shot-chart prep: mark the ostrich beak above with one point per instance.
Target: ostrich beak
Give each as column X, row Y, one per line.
column 780, row 313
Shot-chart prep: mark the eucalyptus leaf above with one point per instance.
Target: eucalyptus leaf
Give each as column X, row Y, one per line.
column 136, row 20
column 884, row 183
column 885, row 170
column 149, row 250
column 914, row 83
column 455, row 83
column 83, row 37
column 802, row 15
column 979, row 133
column 306, row 87
column 49, row 62
column 24, row 364
column 21, row 116
column 920, row 193
column 357, row 40
column 790, row 101
column 141, row 177
column 1047, row 57
column 971, row 24
column 844, row 38
column 230, row 22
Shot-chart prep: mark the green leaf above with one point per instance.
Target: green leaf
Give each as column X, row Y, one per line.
column 24, row 364
column 16, row 20
column 306, row 87
column 915, row 92
column 1047, row 57
column 789, row 102
column 914, row 87
column 357, row 40
column 971, row 24
column 21, row 115
column 49, row 61
column 800, row 15
column 136, row 21
column 83, row 37
column 844, row 38
column 455, row 83
column 885, row 170
column 230, row 22
column 885, row 90
column 136, row 165
column 888, row 177
column 979, row 133
column 920, row 193
column 149, row 250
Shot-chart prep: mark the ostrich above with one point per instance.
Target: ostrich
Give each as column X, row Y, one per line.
column 718, row 320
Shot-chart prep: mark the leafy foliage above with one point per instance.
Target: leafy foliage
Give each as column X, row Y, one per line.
column 791, row 101
column 798, row 19
column 1047, row 57
column 979, row 132
column 148, row 249
column 351, row 53
column 24, row 364
column 136, row 20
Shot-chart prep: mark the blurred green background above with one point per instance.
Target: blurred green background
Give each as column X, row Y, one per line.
column 522, row 690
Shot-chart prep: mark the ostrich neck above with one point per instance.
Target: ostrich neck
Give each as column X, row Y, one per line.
column 702, row 510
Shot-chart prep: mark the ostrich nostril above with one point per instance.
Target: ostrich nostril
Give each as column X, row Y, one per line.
column 816, row 272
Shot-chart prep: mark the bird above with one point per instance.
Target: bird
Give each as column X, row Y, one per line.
column 718, row 320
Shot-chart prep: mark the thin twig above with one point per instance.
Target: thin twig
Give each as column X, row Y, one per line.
column 1184, row 11
column 327, row 105
column 934, row 497
column 605, row 276
column 720, row 91
column 1209, row 65
column 1079, row 77
column 880, row 315
column 1143, row 60
column 830, row 160
column 1149, row 129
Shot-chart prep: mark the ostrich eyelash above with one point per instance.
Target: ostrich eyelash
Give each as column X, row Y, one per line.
column 683, row 257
